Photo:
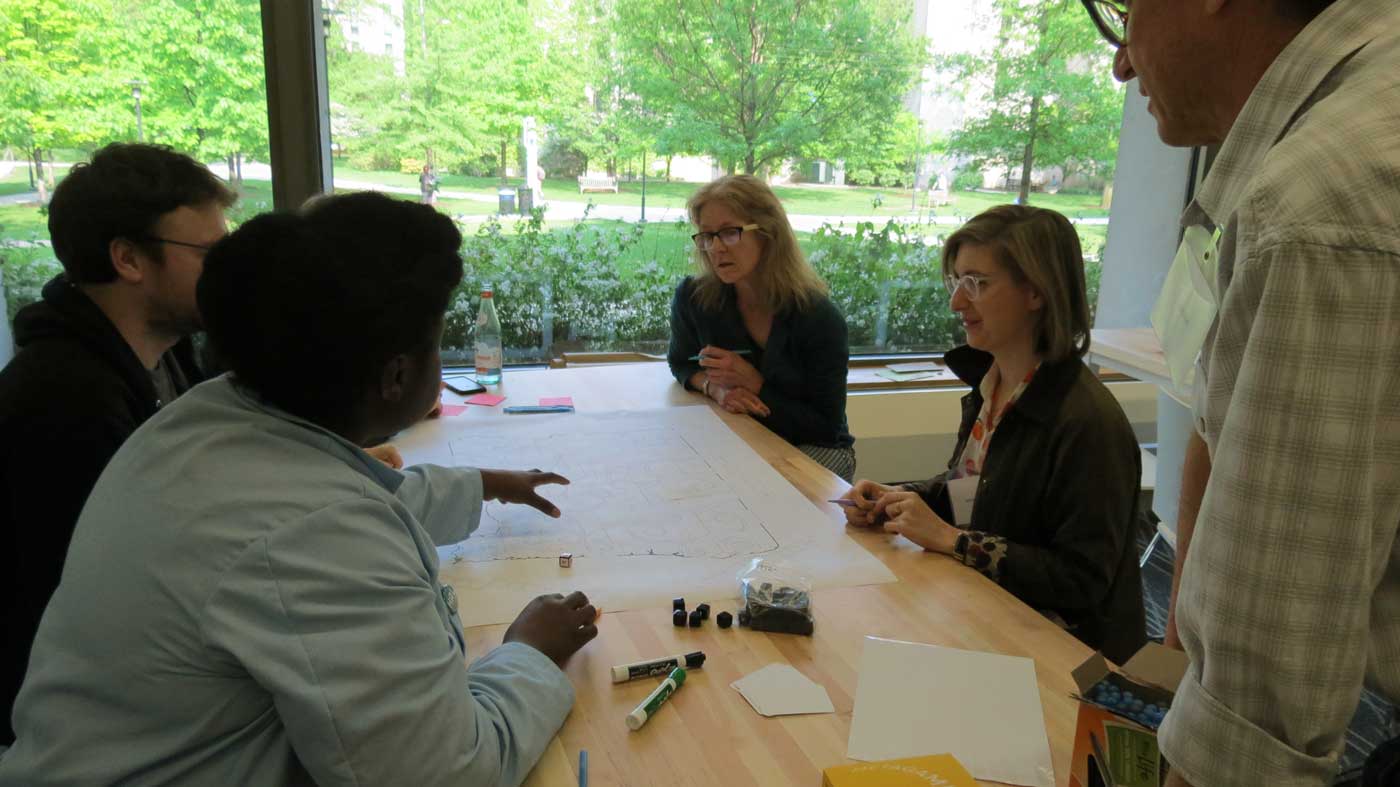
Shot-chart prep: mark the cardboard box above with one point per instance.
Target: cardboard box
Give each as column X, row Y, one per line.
column 1113, row 747
column 938, row 770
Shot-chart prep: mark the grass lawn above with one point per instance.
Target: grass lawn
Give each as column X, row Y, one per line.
column 798, row 199
column 23, row 222
column 11, row 185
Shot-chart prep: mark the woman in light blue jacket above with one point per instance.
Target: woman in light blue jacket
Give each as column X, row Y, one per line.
column 250, row 598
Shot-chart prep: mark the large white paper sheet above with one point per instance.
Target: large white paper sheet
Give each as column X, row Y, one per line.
column 662, row 503
column 983, row 708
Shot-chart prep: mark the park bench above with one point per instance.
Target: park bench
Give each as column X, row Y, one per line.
column 597, row 183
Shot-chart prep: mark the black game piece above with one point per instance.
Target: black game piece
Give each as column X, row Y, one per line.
column 723, row 619
column 695, row 618
column 678, row 603
column 743, row 617
column 678, row 617
column 704, row 611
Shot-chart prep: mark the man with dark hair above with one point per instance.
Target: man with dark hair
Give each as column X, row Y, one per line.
column 250, row 598
column 1289, row 560
column 103, row 351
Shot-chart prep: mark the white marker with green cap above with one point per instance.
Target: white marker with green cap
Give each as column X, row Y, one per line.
column 649, row 706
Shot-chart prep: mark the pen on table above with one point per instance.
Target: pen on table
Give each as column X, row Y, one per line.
column 582, row 768
column 736, row 352
column 538, row 408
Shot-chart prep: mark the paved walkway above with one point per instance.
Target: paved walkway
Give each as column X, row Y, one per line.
column 566, row 210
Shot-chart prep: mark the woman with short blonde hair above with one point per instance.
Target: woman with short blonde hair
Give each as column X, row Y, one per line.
column 1040, row 494
column 754, row 330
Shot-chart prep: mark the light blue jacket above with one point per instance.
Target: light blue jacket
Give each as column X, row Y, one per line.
column 250, row 599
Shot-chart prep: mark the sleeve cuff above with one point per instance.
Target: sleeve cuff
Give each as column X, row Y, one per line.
column 1209, row 744
column 526, row 660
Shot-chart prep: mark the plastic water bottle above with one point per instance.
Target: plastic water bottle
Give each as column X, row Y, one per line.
column 488, row 340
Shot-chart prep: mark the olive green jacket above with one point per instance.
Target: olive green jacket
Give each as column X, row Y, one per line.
column 1060, row 485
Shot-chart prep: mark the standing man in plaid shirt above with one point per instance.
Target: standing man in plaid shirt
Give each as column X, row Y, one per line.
column 1289, row 592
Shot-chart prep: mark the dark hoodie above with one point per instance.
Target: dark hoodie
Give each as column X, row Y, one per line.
column 69, row 398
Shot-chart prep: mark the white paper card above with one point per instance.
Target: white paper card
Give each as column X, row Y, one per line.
column 913, row 366
column 962, row 493
column 780, row 690
column 983, row 708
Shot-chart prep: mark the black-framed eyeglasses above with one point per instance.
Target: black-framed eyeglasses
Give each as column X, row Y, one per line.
column 1111, row 18
column 156, row 239
column 730, row 235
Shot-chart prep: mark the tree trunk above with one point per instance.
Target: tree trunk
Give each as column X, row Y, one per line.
column 668, row 168
column 39, row 181
column 232, row 172
column 423, row 29
column 504, row 143
column 238, row 162
column 1028, row 159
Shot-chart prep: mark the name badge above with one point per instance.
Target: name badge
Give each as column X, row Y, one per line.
column 962, row 492
column 1186, row 307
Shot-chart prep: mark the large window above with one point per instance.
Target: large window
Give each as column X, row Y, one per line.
column 565, row 135
column 78, row 74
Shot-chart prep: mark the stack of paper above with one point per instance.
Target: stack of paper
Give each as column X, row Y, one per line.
column 982, row 708
column 913, row 366
column 780, row 690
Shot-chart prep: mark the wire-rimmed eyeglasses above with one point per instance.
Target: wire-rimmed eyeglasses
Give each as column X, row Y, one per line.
column 730, row 236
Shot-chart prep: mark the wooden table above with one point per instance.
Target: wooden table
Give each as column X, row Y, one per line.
column 707, row 734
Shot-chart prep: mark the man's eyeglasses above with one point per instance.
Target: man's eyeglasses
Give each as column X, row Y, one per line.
column 730, row 236
column 972, row 284
column 1111, row 18
column 155, row 239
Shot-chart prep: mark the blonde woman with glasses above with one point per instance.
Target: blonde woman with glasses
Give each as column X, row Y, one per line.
column 754, row 329
column 1040, row 494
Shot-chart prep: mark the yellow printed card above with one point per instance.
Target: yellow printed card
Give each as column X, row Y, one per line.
column 939, row 770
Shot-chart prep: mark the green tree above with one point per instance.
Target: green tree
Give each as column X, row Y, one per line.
column 1048, row 94
column 471, row 71
column 202, row 65
column 754, row 82
column 57, row 85
column 595, row 108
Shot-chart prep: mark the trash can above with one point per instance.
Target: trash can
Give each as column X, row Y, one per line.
column 505, row 197
column 526, row 197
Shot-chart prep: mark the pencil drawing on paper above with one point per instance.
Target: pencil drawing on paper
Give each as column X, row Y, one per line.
column 633, row 493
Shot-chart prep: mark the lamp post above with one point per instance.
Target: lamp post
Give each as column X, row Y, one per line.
column 136, row 85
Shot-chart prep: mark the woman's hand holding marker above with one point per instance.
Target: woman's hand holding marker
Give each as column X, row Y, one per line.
column 730, row 369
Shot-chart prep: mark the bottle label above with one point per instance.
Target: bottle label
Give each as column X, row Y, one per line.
column 488, row 358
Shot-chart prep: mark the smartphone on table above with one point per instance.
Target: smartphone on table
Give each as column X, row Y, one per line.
column 462, row 384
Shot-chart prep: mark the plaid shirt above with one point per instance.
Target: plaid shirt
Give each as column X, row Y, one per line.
column 1291, row 591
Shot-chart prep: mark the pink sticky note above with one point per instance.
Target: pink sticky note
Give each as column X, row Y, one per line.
column 556, row 401
column 453, row 409
column 486, row 399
